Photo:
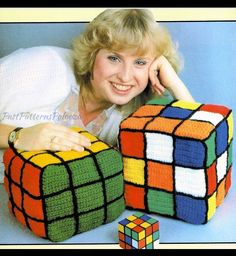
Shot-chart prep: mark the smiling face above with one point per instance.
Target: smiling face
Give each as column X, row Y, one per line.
column 120, row 76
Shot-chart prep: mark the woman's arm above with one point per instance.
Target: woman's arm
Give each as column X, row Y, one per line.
column 163, row 76
column 45, row 136
column 4, row 134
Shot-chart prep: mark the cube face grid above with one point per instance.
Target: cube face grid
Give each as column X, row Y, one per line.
column 138, row 231
column 60, row 194
column 177, row 158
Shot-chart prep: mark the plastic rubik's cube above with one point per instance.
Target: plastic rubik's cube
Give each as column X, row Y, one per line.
column 138, row 231
column 177, row 158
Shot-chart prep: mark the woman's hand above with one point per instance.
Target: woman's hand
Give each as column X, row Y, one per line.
column 163, row 76
column 49, row 136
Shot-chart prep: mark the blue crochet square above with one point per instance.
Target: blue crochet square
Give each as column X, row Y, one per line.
column 190, row 209
column 178, row 113
column 221, row 138
column 189, row 153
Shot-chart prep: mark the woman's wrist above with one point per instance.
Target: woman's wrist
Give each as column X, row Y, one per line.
column 14, row 136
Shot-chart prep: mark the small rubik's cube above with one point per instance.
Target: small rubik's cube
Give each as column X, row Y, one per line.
column 138, row 231
column 177, row 158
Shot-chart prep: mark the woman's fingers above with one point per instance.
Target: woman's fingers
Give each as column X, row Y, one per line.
column 64, row 144
column 49, row 136
column 154, row 78
column 67, row 139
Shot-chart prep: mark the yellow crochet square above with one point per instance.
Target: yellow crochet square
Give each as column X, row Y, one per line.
column 70, row 155
column 211, row 206
column 91, row 137
column 43, row 160
column 231, row 127
column 29, row 154
column 98, row 146
column 186, row 105
column 135, row 171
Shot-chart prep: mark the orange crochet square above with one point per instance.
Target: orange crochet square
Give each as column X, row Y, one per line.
column 191, row 128
column 220, row 195
column 132, row 143
column 31, row 179
column 134, row 196
column 37, row 227
column 16, row 195
column 33, row 207
column 160, row 176
column 163, row 124
column 6, row 185
column 7, row 159
column 136, row 123
column 211, row 179
column 19, row 215
column 17, row 164
column 148, row 110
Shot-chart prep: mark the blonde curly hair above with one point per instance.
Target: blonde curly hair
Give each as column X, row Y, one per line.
column 117, row 29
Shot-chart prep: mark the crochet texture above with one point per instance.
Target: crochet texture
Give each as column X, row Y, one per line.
column 177, row 158
column 59, row 194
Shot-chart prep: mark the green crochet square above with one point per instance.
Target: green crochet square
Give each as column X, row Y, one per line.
column 59, row 205
column 83, row 171
column 112, row 166
column 61, row 229
column 89, row 197
column 211, row 151
column 91, row 220
column 161, row 202
column 115, row 187
column 54, row 179
column 230, row 155
column 114, row 208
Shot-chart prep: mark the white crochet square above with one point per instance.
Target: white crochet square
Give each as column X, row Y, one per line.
column 159, row 147
column 190, row 181
column 213, row 118
column 221, row 166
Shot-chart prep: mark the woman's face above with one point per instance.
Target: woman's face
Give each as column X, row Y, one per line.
column 119, row 76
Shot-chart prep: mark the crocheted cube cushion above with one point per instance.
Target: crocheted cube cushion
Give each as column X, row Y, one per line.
column 59, row 194
column 177, row 158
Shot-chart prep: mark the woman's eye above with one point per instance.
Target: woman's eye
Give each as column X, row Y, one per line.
column 113, row 58
column 141, row 62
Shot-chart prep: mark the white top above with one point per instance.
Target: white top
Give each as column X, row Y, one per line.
column 38, row 85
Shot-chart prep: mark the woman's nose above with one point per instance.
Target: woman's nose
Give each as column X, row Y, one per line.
column 125, row 74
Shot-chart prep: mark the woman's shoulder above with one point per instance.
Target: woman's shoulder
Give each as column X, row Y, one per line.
column 37, row 54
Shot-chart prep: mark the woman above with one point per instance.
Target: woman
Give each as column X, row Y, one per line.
column 122, row 59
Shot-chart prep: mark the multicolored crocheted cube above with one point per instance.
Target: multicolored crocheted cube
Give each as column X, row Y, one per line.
column 138, row 231
column 60, row 194
column 177, row 158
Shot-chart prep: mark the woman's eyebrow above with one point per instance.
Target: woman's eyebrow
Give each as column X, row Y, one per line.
column 136, row 57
